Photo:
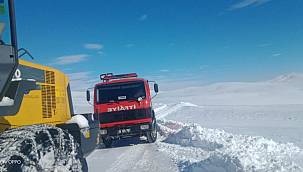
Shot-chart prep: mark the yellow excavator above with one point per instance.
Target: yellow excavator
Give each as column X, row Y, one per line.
column 39, row 130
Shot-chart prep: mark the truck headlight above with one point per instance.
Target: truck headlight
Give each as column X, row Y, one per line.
column 103, row 132
column 144, row 127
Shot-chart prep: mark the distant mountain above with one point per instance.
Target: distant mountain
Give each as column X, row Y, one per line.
column 285, row 89
column 292, row 78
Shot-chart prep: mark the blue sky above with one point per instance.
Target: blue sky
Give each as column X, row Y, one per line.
column 218, row 40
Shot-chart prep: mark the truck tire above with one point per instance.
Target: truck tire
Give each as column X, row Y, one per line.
column 40, row 148
column 107, row 141
column 152, row 135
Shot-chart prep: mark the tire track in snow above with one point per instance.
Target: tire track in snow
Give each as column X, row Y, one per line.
column 159, row 109
column 140, row 157
column 127, row 159
column 164, row 110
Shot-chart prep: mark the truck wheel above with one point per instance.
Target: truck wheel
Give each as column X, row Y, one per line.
column 40, row 148
column 107, row 141
column 152, row 135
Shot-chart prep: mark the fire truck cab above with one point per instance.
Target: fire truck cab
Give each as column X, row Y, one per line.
column 123, row 104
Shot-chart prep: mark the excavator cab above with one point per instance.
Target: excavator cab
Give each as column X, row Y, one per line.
column 8, row 46
column 12, row 89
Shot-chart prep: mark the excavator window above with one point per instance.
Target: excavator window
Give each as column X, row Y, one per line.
column 5, row 35
column 8, row 46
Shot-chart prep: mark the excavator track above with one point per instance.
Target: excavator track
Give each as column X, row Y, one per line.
column 40, row 148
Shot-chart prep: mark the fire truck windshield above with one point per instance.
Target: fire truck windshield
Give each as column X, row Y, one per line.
column 120, row 92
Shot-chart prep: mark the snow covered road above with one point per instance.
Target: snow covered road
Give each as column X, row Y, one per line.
column 190, row 147
column 130, row 155
column 225, row 127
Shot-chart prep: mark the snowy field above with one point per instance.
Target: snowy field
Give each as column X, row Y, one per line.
column 272, row 109
column 254, row 126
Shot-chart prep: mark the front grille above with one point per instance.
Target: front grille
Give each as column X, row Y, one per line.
column 48, row 100
column 48, row 95
column 109, row 117
column 49, row 77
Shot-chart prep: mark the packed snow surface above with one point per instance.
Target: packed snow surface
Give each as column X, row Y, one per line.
column 6, row 101
column 131, row 155
column 80, row 120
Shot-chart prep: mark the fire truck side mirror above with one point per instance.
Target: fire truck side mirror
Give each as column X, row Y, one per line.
column 88, row 95
column 156, row 88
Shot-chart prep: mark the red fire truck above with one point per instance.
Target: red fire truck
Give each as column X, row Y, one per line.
column 123, row 104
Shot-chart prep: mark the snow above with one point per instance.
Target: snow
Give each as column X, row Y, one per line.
column 47, row 161
column 292, row 78
column 282, row 123
column 222, row 150
column 6, row 101
column 285, row 89
column 130, row 155
column 80, row 120
column 165, row 111
column 263, row 93
column 231, row 126
column 80, row 103
column 41, row 152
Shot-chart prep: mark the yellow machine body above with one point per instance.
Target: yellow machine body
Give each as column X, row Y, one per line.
column 49, row 104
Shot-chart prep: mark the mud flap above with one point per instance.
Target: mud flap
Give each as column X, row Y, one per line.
column 87, row 138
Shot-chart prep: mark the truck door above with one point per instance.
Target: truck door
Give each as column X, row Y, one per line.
column 8, row 45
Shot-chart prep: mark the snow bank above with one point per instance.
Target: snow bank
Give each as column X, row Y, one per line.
column 217, row 150
column 167, row 127
column 7, row 102
column 80, row 120
column 215, row 163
